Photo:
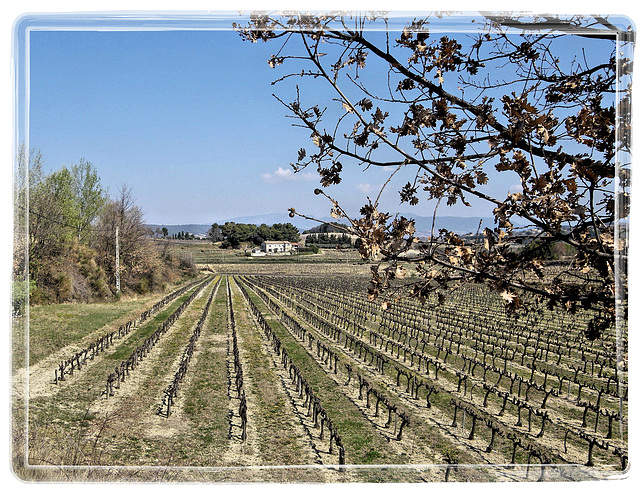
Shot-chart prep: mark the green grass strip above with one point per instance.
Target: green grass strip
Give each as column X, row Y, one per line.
column 363, row 444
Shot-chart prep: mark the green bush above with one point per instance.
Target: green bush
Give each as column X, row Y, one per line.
column 99, row 285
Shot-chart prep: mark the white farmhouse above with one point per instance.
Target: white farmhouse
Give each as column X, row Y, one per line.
column 276, row 246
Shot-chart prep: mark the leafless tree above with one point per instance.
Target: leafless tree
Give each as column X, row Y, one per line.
column 135, row 252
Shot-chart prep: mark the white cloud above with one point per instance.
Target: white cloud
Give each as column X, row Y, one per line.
column 368, row 188
column 281, row 174
column 516, row 188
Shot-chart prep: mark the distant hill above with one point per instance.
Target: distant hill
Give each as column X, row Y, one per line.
column 459, row 225
column 278, row 218
column 268, row 219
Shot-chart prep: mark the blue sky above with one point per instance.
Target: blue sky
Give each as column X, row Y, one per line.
column 184, row 117
column 188, row 120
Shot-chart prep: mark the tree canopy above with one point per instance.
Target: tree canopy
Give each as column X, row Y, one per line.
column 63, row 205
column 232, row 234
column 328, row 227
column 539, row 102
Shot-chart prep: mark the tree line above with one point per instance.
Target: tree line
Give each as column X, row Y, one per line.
column 232, row 234
column 182, row 235
column 65, row 226
column 328, row 238
column 326, row 227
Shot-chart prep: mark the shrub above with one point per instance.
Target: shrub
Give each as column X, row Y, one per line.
column 63, row 287
column 143, row 286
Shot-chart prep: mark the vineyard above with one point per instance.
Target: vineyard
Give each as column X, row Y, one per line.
column 283, row 377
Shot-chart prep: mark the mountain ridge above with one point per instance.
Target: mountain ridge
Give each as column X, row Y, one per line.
column 459, row 225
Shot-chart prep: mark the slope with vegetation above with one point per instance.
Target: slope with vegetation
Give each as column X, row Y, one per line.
column 65, row 229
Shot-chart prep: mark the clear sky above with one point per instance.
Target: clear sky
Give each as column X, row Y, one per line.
column 184, row 117
column 188, row 120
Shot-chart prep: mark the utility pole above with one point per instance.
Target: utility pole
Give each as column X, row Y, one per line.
column 117, row 260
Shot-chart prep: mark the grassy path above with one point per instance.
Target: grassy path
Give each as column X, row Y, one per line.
column 363, row 443
column 279, row 437
column 54, row 327
column 204, row 403
column 76, row 406
column 136, row 404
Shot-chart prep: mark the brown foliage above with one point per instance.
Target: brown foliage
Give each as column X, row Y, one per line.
column 511, row 100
